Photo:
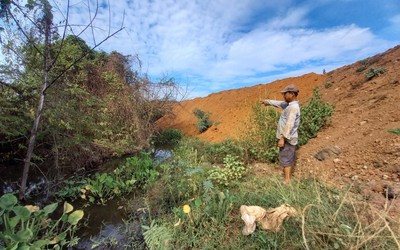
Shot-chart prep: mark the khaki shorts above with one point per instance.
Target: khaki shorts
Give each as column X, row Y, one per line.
column 287, row 155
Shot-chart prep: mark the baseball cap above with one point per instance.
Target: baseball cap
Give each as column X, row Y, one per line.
column 290, row 88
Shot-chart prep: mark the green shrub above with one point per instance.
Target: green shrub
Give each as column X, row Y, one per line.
column 314, row 115
column 167, row 138
column 29, row 227
column 216, row 152
column 374, row 72
column 258, row 140
column 232, row 170
column 203, row 119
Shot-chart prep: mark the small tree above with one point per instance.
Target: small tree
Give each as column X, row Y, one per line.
column 203, row 119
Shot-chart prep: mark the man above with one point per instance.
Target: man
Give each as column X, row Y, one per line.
column 286, row 132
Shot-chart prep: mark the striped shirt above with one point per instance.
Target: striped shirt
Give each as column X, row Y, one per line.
column 289, row 121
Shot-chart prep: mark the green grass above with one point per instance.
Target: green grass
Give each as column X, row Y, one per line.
column 327, row 218
column 395, row 131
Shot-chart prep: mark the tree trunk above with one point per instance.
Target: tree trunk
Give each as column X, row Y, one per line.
column 32, row 140
column 46, row 67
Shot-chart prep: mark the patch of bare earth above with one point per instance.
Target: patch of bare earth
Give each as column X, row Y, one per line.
column 368, row 155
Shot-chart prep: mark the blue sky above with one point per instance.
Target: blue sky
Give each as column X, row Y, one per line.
column 212, row 45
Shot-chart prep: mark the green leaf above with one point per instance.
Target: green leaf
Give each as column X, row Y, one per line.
column 22, row 212
column 14, row 221
column 14, row 246
column 39, row 244
column 68, row 208
column 50, row 208
column 75, row 217
column 24, row 235
column 197, row 203
column 8, row 201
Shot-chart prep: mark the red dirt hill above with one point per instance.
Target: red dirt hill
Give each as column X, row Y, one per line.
column 230, row 108
column 365, row 111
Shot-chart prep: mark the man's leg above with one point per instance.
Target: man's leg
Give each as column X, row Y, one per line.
column 287, row 171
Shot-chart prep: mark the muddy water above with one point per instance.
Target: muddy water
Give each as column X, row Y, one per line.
column 115, row 225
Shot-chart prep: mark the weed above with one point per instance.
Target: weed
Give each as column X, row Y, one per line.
column 157, row 237
column 232, row 170
column 395, row 131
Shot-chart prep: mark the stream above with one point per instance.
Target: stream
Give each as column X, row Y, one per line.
column 115, row 225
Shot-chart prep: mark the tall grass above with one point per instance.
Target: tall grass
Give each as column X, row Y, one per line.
column 327, row 218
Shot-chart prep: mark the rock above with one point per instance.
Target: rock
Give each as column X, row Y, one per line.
column 378, row 188
column 377, row 164
column 327, row 153
column 388, row 192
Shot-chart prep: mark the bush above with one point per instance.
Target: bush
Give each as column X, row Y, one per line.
column 203, row 119
column 167, row 138
column 259, row 138
column 374, row 72
column 314, row 116
column 232, row 170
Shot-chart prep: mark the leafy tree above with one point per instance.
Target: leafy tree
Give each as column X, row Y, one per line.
column 85, row 105
column 33, row 37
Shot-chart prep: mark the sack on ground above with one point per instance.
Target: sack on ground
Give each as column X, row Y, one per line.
column 270, row 219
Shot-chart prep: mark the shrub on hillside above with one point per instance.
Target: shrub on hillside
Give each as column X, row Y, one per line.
column 314, row 115
column 258, row 139
column 374, row 72
column 203, row 119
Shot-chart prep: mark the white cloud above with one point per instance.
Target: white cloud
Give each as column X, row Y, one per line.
column 214, row 44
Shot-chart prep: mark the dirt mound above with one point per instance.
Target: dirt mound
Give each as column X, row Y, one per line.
column 231, row 108
column 365, row 111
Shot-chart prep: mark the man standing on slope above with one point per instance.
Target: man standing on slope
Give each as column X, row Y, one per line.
column 286, row 132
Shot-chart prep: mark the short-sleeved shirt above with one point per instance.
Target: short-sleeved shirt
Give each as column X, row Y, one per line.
column 289, row 120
